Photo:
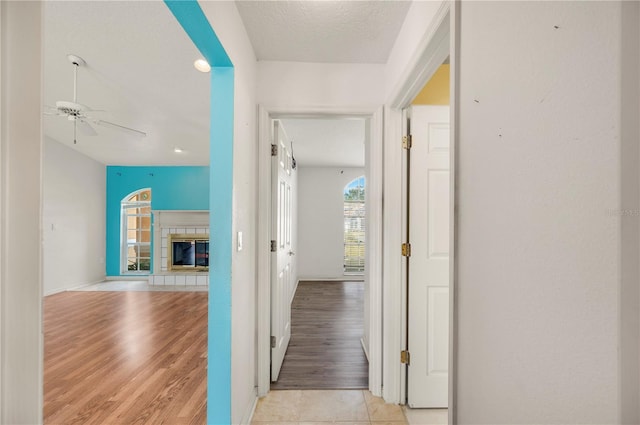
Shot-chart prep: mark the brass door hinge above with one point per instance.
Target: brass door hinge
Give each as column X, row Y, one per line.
column 406, row 250
column 273, row 246
column 407, row 141
column 273, row 342
column 274, row 150
column 405, row 357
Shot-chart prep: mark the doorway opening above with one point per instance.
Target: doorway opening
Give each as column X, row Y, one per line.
column 317, row 304
column 328, row 152
column 427, row 226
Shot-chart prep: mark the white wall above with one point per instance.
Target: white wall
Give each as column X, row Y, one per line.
column 297, row 84
column 538, row 245
column 630, row 216
column 20, row 208
column 73, row 218
column 227, row 24
column 321, row 220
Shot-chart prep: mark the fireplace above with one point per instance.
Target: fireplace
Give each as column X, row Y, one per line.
column 188, row 252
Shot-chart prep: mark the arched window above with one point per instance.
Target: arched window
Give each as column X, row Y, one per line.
column 136, row 233
column 354, row 229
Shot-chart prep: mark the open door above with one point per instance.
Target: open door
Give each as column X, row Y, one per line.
column 428, row 305
column 282, row 279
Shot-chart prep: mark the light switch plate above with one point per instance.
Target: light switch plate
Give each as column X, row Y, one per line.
column 239, row 241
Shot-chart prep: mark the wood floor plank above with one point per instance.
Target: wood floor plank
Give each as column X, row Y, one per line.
column 125, row 357
column 325, row 350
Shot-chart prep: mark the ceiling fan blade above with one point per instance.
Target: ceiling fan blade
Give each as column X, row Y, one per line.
column 129, row 130
column 50, row 110
column 85, row 128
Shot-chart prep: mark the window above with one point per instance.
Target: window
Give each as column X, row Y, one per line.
column 136, row 233
column 354, row 230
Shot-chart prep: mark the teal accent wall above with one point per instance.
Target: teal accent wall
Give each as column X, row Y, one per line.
column 172, row 188
column 190, row 16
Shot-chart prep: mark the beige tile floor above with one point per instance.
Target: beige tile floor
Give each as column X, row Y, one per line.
column 309, row 407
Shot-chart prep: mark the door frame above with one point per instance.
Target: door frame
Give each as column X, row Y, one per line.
column 440, row 40
column 374, row 116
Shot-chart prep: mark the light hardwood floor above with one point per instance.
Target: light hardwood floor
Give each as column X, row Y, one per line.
column 325, row 350
column 125, row 358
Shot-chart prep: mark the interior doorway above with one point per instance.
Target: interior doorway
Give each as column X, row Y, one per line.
column 318, row 264
column 327, row 153
column 426, row 348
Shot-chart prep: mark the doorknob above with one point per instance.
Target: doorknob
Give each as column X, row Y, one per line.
column 292, row 253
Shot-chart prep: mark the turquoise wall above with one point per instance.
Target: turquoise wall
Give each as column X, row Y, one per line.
column 195, row 23
column 172, row 188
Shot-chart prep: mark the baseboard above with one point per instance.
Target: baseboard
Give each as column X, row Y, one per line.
column 247, row 416
column 334, row 279
column 293, row 293
column 72, row 288
column 364, row 348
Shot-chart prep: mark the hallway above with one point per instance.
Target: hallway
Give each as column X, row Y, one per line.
column 325, row 351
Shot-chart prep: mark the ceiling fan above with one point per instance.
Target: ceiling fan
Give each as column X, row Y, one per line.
column 81, row 114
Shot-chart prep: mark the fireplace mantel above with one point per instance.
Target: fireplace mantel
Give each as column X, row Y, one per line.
column 180, row 218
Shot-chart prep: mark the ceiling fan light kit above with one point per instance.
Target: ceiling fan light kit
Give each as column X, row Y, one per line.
column 81, row 114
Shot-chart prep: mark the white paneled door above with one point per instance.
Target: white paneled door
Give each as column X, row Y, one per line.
column 428, row 306
column 282, row 285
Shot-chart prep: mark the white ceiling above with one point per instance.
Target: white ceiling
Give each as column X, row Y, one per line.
column 139, row 70
column 327, row 142
column 323, row 31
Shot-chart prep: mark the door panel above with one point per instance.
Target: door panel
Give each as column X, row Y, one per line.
column 428, row 306
column 282, row 283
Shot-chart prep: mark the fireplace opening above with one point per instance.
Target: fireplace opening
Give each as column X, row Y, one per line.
column 188, row 252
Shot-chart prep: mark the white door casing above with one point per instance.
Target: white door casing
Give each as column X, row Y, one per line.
column 282, row 284
column 429, row 212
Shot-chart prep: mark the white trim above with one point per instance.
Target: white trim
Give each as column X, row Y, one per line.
column 374, row 250
column 250, row 409
column 263, row 299
column 393, row 236
column 454, row 84
column 374, row 242
column 432, row 50
column 364, row 348
column 74, row 288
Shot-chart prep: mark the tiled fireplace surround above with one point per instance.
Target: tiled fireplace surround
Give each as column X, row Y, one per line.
column 167, row 222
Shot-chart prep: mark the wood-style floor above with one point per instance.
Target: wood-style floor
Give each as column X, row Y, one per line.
column 125, row 358
column 325, row 350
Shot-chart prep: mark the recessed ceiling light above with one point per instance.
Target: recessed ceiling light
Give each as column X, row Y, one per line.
column 177, row 150
column 202, row 65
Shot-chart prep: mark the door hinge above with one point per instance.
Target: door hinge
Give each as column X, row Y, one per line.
column 274, row 150
column 274, row 247
column 406, row 250
column 273, row 342
column 405, row 358
column 407, row 141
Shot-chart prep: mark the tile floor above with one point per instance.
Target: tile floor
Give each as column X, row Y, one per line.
column 308, row 407
column 138, row 285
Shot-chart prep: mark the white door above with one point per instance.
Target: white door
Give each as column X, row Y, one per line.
column 282, row 284
column 428, row 307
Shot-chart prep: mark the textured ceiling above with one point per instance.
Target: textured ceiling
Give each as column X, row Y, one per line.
column 323, row 31
column 139, row 71
column 327, row 142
